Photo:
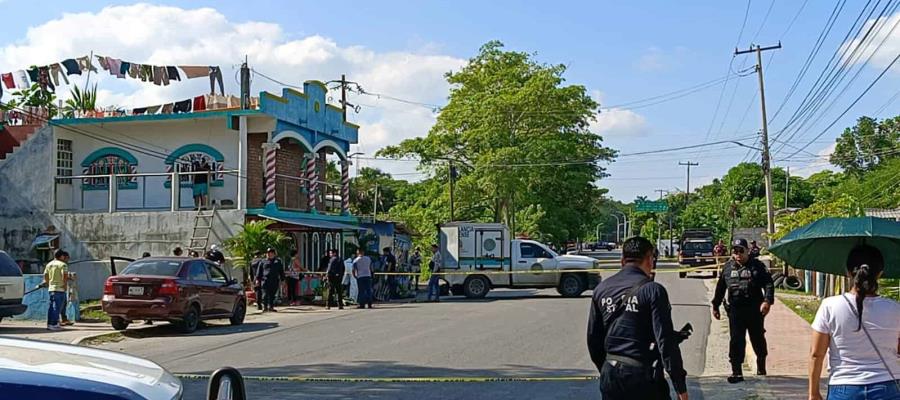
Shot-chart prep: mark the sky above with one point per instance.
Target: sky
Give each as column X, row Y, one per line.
column 621, row 52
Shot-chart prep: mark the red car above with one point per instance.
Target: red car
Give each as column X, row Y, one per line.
column 181, row 290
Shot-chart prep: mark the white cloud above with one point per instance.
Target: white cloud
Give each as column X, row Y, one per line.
column 164, row 35
column 620, row 122
column 652, row 60
column 890, row 47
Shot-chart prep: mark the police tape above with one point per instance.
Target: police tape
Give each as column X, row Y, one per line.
column 711, row 267
column 403, row 379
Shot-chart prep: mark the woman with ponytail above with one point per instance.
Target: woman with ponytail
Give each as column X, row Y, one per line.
column 861, row 333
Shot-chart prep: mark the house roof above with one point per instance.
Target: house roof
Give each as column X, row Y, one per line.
column 883, row 213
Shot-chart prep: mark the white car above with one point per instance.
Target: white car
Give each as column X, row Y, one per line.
column 12, row 287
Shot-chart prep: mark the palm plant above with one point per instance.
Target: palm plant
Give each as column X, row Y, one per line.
column 255, row 237
column 81, row 101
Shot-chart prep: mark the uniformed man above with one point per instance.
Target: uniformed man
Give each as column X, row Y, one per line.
column 750, row 294
column 269, row 274
column 630, row 315
column 257, row 281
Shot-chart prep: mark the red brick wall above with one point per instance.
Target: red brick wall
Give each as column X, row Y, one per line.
column 289, row 161
column 255, row 172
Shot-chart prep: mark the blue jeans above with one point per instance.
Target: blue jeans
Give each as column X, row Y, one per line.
column 364, row 287
column 886, row 390
column 56, row 304
column 434, row 287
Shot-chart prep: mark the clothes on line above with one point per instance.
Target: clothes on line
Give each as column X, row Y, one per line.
column 215, row 74
column 167, row 108
column 21, row 79
column 191, row 72
column 153, row 109
column 200, row 103
column 173, row 73
column 7, row 79
column 183, row 106
column 55, row 70
column 72, row 67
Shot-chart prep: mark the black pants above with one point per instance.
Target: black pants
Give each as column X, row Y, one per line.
column 335, row 290
column 630, row 383
column 271, row 289
column 741, row 321
column 260, row 296
column 291, row 289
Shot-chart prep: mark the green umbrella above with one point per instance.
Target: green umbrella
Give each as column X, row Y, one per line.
column 824, row 245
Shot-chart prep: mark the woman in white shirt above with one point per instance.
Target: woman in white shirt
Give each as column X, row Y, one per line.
column 861, row 332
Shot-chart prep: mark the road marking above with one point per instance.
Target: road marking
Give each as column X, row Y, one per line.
column 404, row 379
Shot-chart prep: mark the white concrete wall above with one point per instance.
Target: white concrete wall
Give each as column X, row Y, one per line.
column 156, row 140
column 24, row 204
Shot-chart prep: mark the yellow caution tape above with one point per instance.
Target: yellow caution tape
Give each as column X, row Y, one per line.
column 423, row 379
column 710, row 267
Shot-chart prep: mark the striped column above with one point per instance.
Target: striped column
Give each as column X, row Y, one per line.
column 312, row 177
column 345, row 187
column 270, row 151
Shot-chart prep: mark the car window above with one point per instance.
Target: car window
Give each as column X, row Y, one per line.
column 700, row 246
column 8, row 266
column 197, row 271
column 153, row 267
column 216, row 274
column 528, row 250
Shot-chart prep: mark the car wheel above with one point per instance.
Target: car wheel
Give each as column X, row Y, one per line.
column 119, row 323
column 191, row 320
column 240, row 311
column 476, row 287
column 571, row 285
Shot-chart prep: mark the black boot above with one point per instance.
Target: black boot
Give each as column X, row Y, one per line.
column 761, row 366
column 737, row 374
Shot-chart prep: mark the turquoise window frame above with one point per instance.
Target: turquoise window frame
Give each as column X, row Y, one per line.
column 105, row 152
column 195, row 148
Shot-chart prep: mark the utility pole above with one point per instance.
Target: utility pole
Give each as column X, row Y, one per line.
column 787, row 186
column 766, row 157
column 344, row 96
column 659, row 218
column 245, row 85
column 687, row 192
column 375, row 206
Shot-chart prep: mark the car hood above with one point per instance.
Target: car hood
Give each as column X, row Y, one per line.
column 575, row 260
column 90, row 366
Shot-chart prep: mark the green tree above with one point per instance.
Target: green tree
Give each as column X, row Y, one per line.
column 867, row 144
column 255, row 237
column 362, row 191
column 512, row 128
column 33, row 96
column 843, row 206
column 81, row 101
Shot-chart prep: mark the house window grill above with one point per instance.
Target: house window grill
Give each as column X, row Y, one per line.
column 64, row 160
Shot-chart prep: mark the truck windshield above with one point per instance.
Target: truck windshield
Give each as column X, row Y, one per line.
column 699, row 246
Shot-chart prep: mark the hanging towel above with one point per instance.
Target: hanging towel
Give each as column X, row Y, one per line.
column 7, row 79
column 173, row 74
column 34, row 74
column 134, row 70
column 124, row 68
column 139, row 111
column 115, row 67
column 72, row 67
column 215, row 74
column 85, row 64
column 55, row 71
column 104, row 62
column 191, row 72
column 183, row 106
column 21, row 79
column 153, row 109
column 168, row 108
column 199, row 103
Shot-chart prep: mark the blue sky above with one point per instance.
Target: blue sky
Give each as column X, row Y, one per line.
column 621, row 51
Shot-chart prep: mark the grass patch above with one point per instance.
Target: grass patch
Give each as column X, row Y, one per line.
column 107, row 338
column 804, row 307
column 92, row 312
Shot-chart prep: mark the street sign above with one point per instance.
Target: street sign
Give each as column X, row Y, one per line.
column 650, row 206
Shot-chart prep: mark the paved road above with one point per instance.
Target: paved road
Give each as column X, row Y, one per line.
column 513, row 333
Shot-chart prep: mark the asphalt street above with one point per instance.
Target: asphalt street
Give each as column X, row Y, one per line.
column 512, row 333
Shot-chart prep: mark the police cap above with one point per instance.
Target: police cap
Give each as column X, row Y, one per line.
column 742, row 243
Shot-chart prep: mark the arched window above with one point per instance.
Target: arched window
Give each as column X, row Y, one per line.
column 317, row 252
column 189, row 158
column 106, row 161
column 304, row 250
column 329, row 244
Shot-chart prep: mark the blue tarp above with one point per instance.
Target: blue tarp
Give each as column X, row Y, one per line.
column 314, row 223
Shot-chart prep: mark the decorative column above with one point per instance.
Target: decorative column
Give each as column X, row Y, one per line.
column 345, row 187
column 312, row 178
column 270, row 151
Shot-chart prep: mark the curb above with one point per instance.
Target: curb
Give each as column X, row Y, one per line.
column 80, row 340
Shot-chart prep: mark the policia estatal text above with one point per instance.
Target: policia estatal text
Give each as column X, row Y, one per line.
column 630, row 330
column 750, row 294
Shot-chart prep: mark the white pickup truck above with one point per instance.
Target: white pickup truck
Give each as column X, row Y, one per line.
column 492, row 259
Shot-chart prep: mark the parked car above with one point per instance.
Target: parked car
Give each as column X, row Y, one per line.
column 184, row 291
column 12, row 287
column 696, row 244
column 31, row 369
column 609, row 246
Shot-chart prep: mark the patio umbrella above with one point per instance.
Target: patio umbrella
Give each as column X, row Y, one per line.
column 824, row 244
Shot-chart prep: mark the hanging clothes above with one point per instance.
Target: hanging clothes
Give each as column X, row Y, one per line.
column 199, row 103
column 168, row 108
column 85, row 64
column 173, row 74
column 104, row 62
column 191, row 72
column 115, row 67
column 21, row 79
column 55, row 71
column 153, row 109
column 134, row 70
column 139, row 111
column 160, row 76
column 72, row 67
column 147, row 74
column 183, row 106
column 34, row 74
column 44, row 79
column 123, row 68
column 7, row 79
column 215, row 74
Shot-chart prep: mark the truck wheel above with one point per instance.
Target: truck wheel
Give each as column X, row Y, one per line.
column 476, row 287
column 571, row 285
column 119, row 323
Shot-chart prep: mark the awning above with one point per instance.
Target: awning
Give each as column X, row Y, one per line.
column 314, row 223
column 42, row 240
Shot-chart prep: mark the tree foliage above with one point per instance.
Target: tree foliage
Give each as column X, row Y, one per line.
column 867, row 144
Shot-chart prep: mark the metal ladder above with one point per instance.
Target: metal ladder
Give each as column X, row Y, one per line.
column 203, row 221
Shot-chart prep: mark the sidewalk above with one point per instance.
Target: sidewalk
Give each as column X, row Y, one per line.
column 37, row 330
column 788, row 338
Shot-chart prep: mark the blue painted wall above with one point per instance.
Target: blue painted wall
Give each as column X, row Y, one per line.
column 308, row 114
column 39, row 301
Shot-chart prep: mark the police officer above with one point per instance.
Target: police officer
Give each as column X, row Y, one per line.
column 751, row 292
column 257, row 280
column 215, row 255
column 269, row 274
column 630, row 315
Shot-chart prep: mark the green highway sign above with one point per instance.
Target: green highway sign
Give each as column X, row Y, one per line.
column 650, row 206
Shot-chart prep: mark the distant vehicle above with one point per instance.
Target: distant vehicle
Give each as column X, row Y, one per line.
column 12, row 287
column 31, row 369
column 696, row 244
column 181, row 290
column 496, row 260
column 609, row 246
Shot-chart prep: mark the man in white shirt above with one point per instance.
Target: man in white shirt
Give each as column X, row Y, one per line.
column 362, row 271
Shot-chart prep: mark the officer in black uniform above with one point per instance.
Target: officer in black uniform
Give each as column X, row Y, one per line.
column 270, row 274
column 750, row 294
column 630, row 314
